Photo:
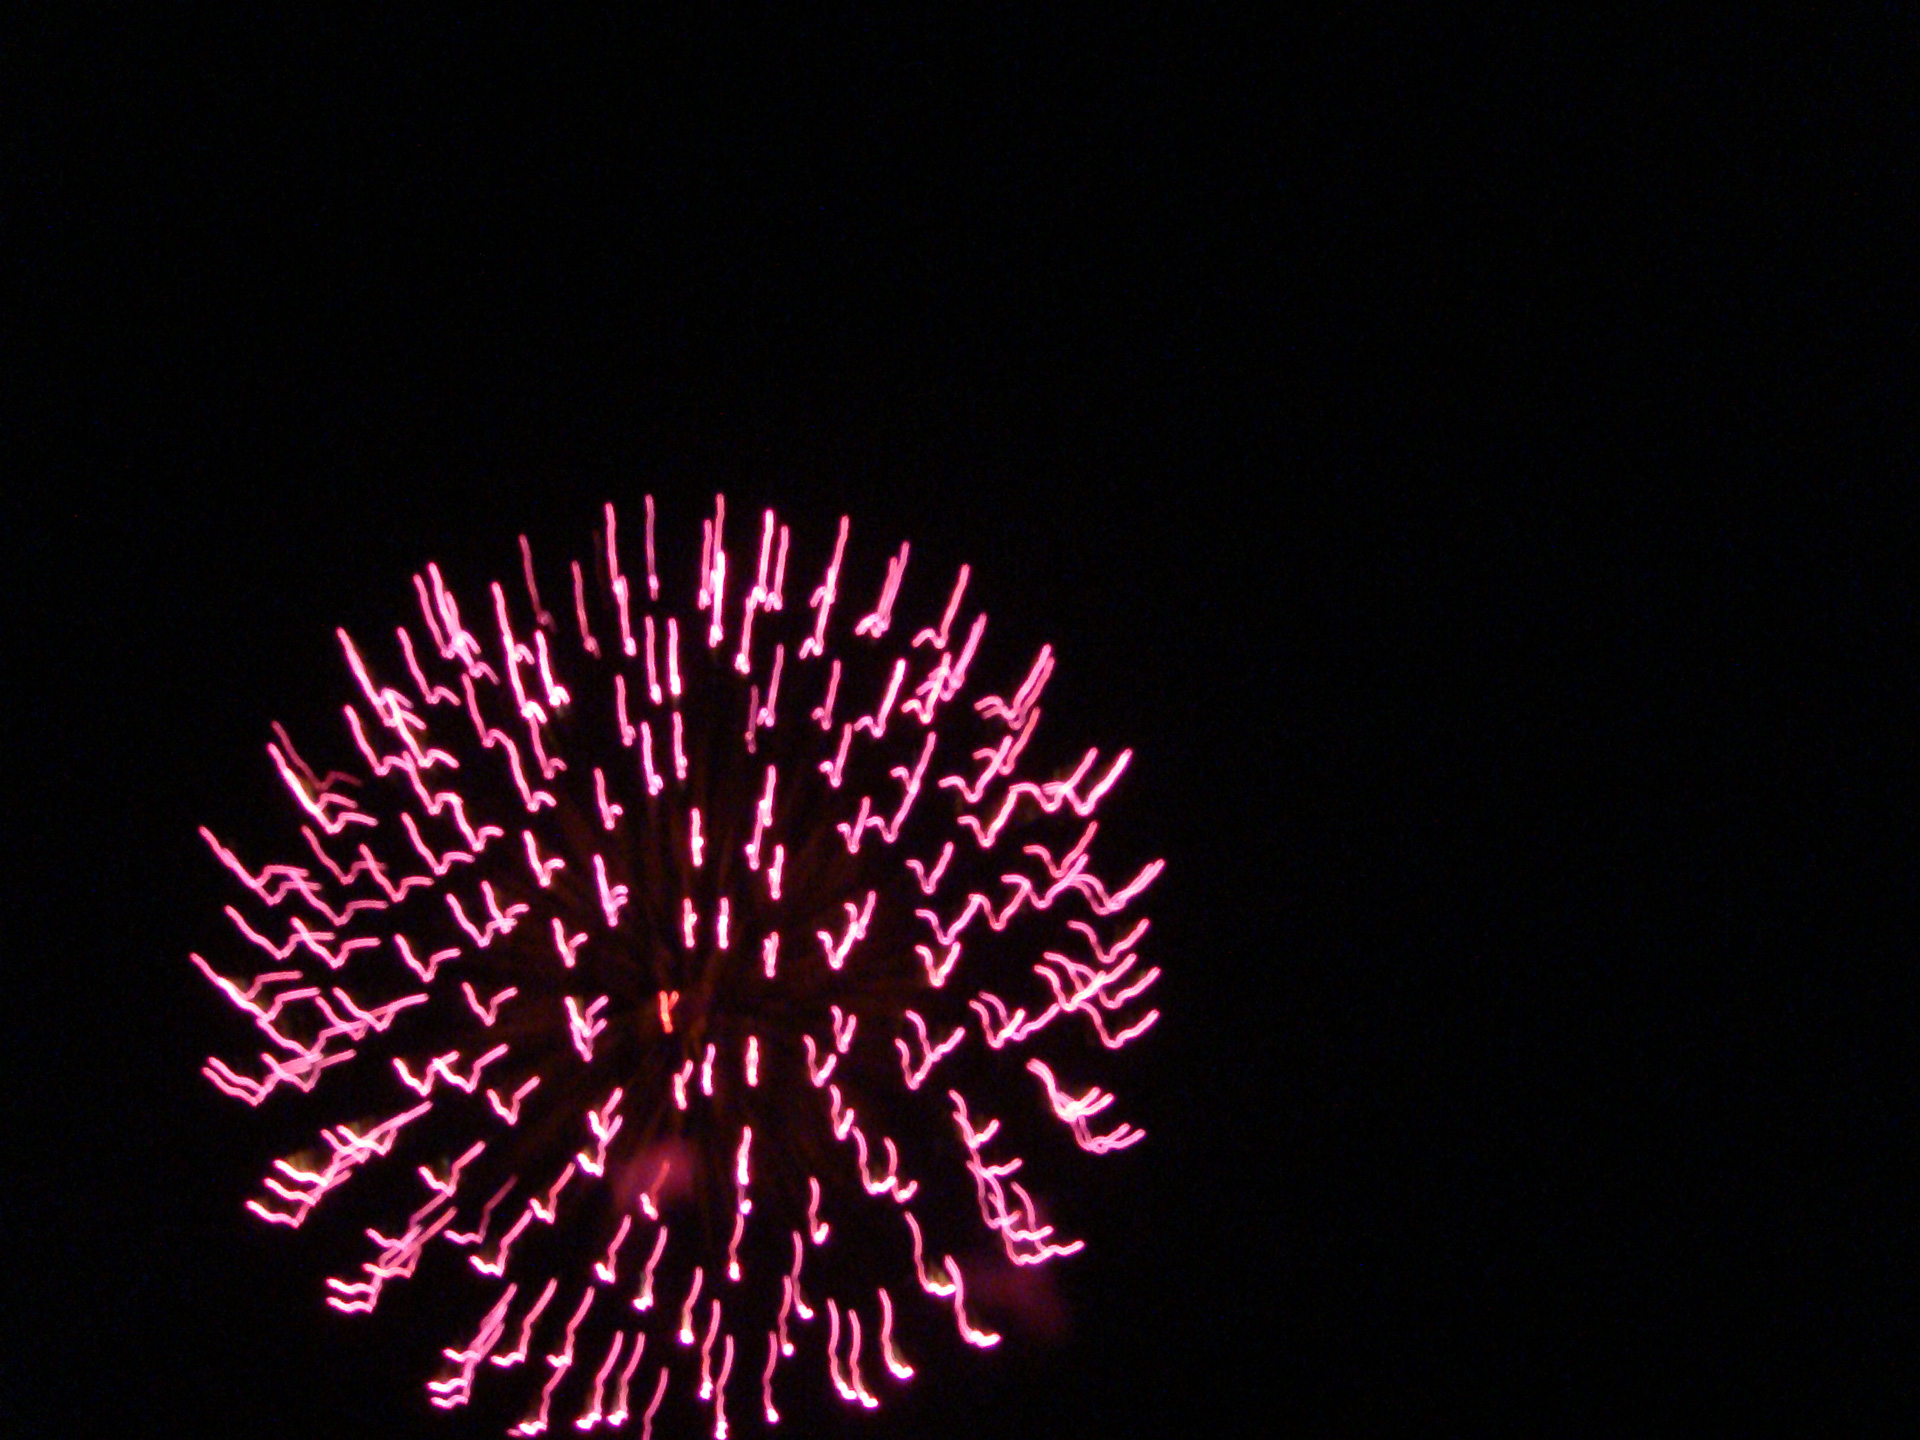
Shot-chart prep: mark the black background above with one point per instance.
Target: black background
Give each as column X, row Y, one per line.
column 1410, row 438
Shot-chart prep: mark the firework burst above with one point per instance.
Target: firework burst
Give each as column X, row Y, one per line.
column 707, row 967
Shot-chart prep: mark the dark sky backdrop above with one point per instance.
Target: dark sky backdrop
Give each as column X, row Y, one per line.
column 1338, row 399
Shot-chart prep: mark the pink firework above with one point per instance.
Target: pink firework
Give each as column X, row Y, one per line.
column 707, row 965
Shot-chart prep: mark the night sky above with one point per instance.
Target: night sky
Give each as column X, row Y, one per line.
column 1376, row 421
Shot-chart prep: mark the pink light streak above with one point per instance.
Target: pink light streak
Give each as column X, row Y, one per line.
column 875, row 625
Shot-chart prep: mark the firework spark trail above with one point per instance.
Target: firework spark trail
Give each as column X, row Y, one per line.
column 622, row 1032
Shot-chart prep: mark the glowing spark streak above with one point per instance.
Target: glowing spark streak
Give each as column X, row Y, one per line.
column 832, row 768
column 643, row 1299
column 1090, row 985
column 816, row 1072
column 546, row 1212
column 458, row 1389
column 1051, row 797
column 929, row 879
column 753, row 1063
column 605, row 1125
column 604, row 1269
column 459, row 642
column 888, row 1184
column 491, row 738
column 432, row 694
column 823, row 597
column 1024, row 1238
column 857, row 922
column 518, row 1354
column 397, row 1261
column 433, row 623
column 587, row 642
column 244, row 998
column 618, row 584
column 756, row 597
column 875, row 625
column 715, row 631
column 896, row 1365
column 686, row 1310
column 557, row 694
column 498, row 923
column 319, row 784
column 706, row 1350
column 653, row 673
column 659, row 1393
column 733, row 1246
column 653, row 579
column 938, row 970
column 617, row 1416
column 762, row 818
column 1000, row 760
column 833, row 1352
column 568, row 946
column 541, row 617
column 933, row 1286
column 817, row 1229
column 938, row 638
column 611, row 897
column 609, row 811
column 583, row 1026
column 291, row 877
column 517, row 655
column 654, row 783
column 800, row 1306
column 438, row 864
column 984, row 1339
column 769, row 952
column 350, row 1148
column 542, row 869
column 490, row 1011
column 764, row 717
column 720, row 1391
column 930, row 1053
column 876, row 724
column 561, row 1363
column 1015, row 713
column 442, row 1067
column 823, row 712
column 766, row 1378
column 594, row 1414
column 1074, row 1112
column 565, row 1357
column 1003, row 1027
column 695, row 843
column 302, row 936
column 511, row 1113
column 860, row 1391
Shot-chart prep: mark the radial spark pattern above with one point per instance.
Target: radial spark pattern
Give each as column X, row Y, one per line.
column 713, row 969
